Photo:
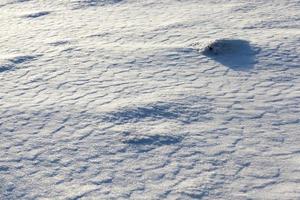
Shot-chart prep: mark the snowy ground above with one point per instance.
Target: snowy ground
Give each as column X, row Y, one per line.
column 112, row 99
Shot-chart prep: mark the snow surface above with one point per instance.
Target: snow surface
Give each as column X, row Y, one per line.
column 125, row 99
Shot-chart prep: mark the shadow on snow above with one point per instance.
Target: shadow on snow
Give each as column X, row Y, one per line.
column 233, row 53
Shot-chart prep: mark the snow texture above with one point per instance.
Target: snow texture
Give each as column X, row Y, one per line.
column 173, row 99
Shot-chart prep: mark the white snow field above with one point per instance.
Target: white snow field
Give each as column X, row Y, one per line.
column 149, row 99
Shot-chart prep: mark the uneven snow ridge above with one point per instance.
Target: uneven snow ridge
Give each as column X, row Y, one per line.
column 127, row 99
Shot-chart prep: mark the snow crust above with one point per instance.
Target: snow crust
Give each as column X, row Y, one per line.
column 173, row 99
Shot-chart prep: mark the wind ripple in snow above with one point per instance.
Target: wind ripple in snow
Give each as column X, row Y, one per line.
column 87, row 3
column 160, row 111
column 5, row 67
column 113, row 116
column 10, row 62
column 9, row 2
column 147, row 143
column 36, row 14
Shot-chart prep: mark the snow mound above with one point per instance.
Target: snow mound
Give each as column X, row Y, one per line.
column 233, row 53
column 226, row 47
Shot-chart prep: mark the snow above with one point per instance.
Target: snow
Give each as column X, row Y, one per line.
column 110, row 99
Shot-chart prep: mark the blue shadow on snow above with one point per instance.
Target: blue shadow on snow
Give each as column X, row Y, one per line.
column 233, row 53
